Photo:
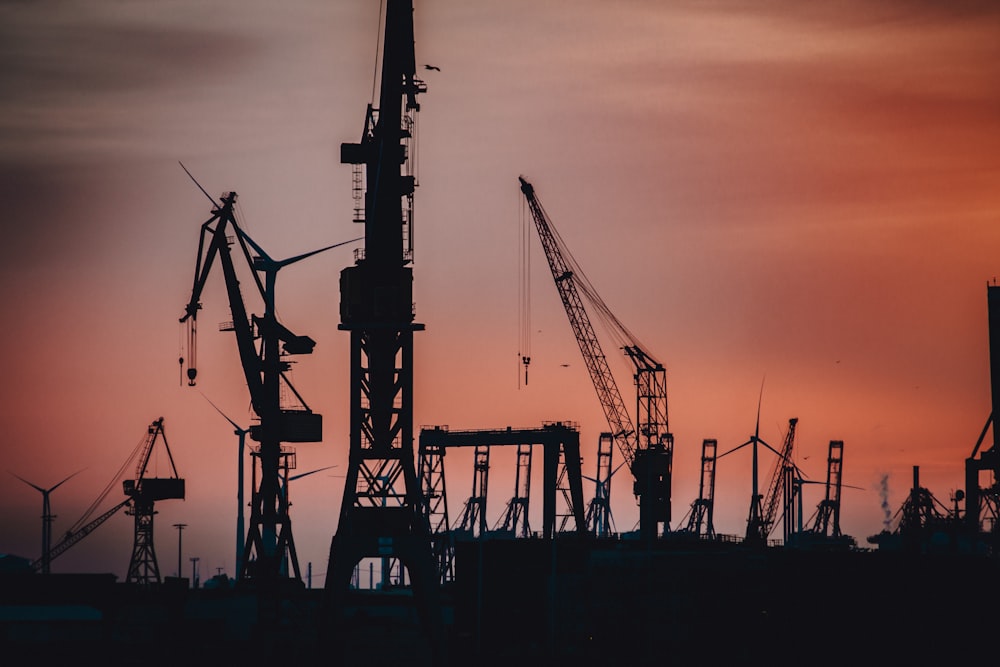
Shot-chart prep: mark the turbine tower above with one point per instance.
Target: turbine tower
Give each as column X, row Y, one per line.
column 47, row 517
column 240, row 433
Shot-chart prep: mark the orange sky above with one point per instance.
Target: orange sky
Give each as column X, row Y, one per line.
column 804, row 196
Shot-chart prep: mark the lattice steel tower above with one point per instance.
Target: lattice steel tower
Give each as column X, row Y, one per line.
column 381, row 509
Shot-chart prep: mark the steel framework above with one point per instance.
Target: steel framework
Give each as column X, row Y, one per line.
column 700, row 520
column 381, row 514
column 599, row 520
column 143, row 492
column 648, row 450
column 515, row 519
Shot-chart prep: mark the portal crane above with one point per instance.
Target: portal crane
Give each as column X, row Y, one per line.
column 648, row 451
column 515, row 519
column 265, row 370
column 828, row 511
column 600, row 523
column 701, row 517
column 143, row 491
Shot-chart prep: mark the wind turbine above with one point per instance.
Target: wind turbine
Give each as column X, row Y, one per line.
column 599, row 517
column 240, row 535
column 755, row 529
column 47, row 517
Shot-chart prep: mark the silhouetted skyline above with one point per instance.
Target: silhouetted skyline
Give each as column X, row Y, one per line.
column 801, row 195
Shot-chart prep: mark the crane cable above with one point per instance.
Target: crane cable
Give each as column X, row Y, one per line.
column 524, row 293
column 618, row 331
column 107, row 489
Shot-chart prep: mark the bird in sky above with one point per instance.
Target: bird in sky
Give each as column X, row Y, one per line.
column 436, row 69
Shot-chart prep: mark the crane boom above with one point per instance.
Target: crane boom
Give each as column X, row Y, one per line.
column 648, row 452
column 219, row 246
column 72, row 538
column 775, row 487
column 597, row 364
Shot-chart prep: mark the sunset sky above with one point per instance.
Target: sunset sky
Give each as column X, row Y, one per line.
column 796, row 196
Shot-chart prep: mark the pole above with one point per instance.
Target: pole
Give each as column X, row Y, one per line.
column 180, row 528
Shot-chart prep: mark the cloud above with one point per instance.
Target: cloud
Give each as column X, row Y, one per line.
column 96, row 78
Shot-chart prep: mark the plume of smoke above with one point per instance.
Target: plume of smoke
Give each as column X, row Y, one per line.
column 884, row 495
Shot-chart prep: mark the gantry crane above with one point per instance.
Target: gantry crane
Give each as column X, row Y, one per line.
column 648, row 448
column 515, row 522
column 825, row 532
column 600, row 522
column 828, row 511
column 701, row 518
column 143, row 491
column 473, row 521
column 266, row 372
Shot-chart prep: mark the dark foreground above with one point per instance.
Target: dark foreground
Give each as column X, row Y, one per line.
column 535, row 602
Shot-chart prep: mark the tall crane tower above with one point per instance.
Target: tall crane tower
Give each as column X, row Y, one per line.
column 381, row 511
column 648, row 447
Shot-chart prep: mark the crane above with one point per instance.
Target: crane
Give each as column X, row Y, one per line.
column 72, row 537
column 599, row 520
column 142, row 493
column 139, row 487
column 266, row 372
column 783, row 471
column 700, row 518
column 648, row 449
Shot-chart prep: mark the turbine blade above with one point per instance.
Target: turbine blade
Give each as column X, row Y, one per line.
column 66, row 480
column 760, row 399
column 38, row 488
column 748, row 442
column 220, row 412
column 291, row 260
column 306, row 474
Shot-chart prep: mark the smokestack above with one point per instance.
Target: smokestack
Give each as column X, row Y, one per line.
column 916, row 477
